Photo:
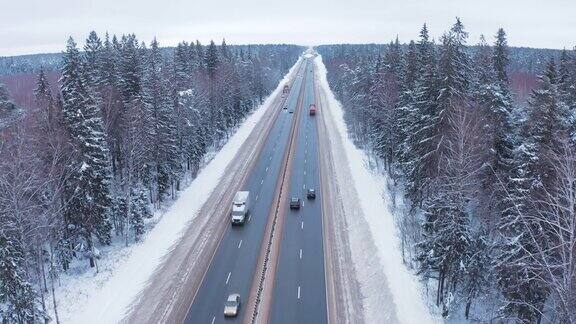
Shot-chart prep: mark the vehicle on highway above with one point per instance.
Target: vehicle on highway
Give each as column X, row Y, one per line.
column 311, row 194
column 295, row 203
column 285, row 89
column 232, row 305
column 312, row 109
column 240, row 207
column 285, row 107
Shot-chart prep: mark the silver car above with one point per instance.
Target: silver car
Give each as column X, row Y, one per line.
column 232, row 305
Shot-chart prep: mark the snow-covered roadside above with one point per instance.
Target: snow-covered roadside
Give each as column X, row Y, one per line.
column 105, row 297
column 406, row 290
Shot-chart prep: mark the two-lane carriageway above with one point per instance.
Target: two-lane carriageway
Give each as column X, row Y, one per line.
column 299, row 294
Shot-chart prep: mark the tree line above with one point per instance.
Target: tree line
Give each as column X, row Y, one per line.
column 128, row 126
column 490, row 181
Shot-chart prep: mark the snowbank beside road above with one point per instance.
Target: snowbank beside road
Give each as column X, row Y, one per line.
column 405, row 287
column 106, row 299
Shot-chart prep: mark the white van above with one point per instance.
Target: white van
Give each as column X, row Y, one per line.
column 240, row 207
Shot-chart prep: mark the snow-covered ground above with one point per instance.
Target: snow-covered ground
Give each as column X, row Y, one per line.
column 84, row 296
column 376, row 233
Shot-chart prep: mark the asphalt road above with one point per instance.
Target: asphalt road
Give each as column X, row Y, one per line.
column 299, row 294
column 233, row 265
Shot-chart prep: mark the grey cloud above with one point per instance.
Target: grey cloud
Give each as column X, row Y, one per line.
column 31, row 26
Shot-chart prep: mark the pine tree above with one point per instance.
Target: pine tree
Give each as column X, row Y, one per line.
column 212, row 59
column 564, row 71
column 108, row 63
column 18, row 299
column 225, row 51
column 477, row 271
column 492, row 99
column 182, row 67
column 567, row 87
column 454, row 74
column 378, row 108
column 546, row 121
column 88, row 193
column 385, row 101
column 45, row 100
column 393, row 58
column 140, row 210
column 163, row 132
column 501, row 56
column 199, row 55
column 411, row 68
column 405, row 113
column 43, row 92
column 484, row 71
column 446, row 245
column 520, row 272
column 420, row 142
column 93, row 51
column 130, row 68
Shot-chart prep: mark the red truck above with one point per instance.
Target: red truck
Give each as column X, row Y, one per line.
column 312, row 109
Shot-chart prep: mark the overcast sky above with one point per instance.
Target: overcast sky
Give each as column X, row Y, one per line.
column 35, row 26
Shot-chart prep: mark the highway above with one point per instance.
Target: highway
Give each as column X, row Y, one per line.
column 288, row 266
column 233, row 265
column 299, row 294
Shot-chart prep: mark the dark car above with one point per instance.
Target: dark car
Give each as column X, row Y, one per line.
column 295, row 203
column 311, row 194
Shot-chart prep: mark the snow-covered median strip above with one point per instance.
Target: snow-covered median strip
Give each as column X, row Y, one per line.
column 405, row 287
column 108, row 300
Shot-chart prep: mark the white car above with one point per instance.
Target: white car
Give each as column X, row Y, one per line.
column 232, row 305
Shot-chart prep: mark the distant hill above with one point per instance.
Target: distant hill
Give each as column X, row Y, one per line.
column 31, row 63
column 522, row 59
column 9, row 112
column 10, row 65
